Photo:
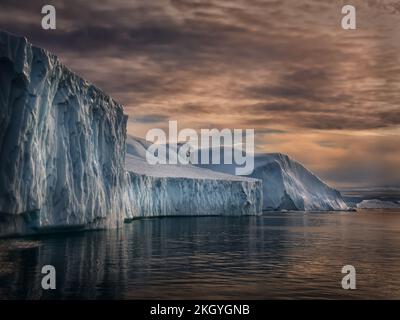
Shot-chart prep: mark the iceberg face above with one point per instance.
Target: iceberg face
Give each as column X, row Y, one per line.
column 62, row 144
column 165, row 189
column 290, row 186
column 287, row 185
column 171, row 196
column 62, row 156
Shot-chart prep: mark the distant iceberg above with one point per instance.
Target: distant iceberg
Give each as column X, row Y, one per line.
column 378, row 204
column 288, row 185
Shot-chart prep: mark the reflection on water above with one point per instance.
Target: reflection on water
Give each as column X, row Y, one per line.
column 294, row 255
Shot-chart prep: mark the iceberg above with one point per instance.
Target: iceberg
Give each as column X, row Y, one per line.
column 288, row 185
column 378, row 204
column 61, row 145
column 62, row 156
column 186, row 189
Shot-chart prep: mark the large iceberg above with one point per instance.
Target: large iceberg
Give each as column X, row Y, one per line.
column 61, row 145
column 62, row 156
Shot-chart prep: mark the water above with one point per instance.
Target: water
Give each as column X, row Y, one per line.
column 291, row 255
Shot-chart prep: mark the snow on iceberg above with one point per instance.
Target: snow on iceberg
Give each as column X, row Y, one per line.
column 168, row 189
column 62, row 156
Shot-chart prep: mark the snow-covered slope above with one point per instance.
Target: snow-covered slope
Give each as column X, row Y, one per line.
column 62, row 155
column 135, row 161
column 288, row 185
column 378, row 204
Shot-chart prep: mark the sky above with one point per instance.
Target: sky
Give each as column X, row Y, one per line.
column 327, row 97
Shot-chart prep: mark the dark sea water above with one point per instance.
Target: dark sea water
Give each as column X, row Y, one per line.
column 290, row 255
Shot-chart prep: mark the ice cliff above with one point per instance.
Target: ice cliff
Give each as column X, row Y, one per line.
column 61, row 142
column 186, row 189
column 62, row 152
column 288, row 185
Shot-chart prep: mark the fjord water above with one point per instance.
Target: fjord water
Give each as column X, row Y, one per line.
column 280, row 255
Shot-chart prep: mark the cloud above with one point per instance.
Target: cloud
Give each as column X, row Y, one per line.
column 151, row 118
column 270, row 131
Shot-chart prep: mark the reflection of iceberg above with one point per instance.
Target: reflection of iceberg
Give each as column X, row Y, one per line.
column 62, row 152
column 147, row 259
column 82, row 264
column 378, row 204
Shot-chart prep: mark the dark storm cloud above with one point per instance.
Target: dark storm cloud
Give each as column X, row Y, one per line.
column 391, row 117
column 151, row 118
column 173, row 44
column 296, row 93
column 328, row 118
column 302, row 84
column 120, row 30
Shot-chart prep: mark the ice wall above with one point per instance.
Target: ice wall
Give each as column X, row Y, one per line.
column 61, row 141
column 186, row 189
column 169, row 196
